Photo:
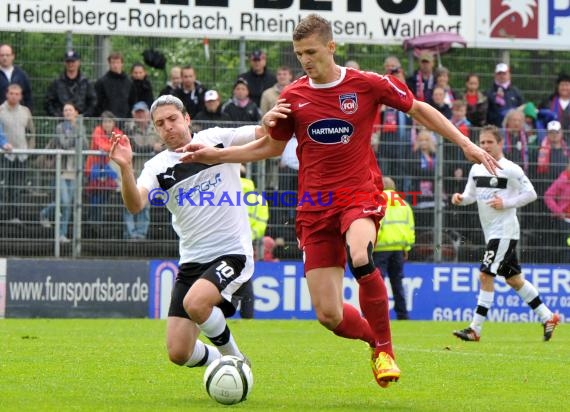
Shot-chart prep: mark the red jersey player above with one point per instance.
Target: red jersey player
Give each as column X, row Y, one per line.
column 331, row 112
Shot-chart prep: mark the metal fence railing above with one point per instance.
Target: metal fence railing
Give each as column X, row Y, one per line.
column 97, row 222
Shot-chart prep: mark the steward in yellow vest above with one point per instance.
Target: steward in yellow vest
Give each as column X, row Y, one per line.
column 395, row 239
column 257, row 209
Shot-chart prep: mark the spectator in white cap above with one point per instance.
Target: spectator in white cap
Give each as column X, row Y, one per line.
column 554, row 126
column 212, row 113
column 553, row 159
column 553, row 154
column 502, row 95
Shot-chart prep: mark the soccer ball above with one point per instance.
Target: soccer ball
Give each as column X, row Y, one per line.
column 228, row 380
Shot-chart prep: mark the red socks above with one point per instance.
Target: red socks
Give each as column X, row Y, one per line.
column 373, row 298
column 354, row 326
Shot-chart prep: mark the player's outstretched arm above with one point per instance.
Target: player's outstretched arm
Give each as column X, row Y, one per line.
column 262, row 148
column 435, row 121
column 121, row 153
column 259, row 149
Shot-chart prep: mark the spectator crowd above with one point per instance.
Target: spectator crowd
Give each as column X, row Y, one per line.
column 535, row 133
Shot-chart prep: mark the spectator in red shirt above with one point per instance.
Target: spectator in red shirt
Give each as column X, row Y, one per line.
column 476, row 100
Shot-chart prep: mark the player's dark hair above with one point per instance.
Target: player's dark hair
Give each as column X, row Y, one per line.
column 494, row 130
column 313, row 24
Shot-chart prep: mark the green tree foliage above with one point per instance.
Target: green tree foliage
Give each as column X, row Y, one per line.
column 41, row 55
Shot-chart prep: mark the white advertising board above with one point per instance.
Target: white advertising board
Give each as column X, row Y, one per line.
column 521, row 24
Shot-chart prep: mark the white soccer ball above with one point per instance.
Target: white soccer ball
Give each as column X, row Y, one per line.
column 228, row 380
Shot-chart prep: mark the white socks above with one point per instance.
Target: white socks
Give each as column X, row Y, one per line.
column 484, row 302
column 216, row 329
column 203, row 355
column 528, row 293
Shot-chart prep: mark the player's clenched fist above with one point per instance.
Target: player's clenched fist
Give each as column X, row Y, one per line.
column 456, row 199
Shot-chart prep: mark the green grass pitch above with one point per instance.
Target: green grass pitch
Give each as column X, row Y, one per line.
column 121, row 365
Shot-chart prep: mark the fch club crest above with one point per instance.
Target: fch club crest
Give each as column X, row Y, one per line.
column 348, row 103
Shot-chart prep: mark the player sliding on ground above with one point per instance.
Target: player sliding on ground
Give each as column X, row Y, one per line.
column 216, row 254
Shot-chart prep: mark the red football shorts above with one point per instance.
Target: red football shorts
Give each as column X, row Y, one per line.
column 321, row 234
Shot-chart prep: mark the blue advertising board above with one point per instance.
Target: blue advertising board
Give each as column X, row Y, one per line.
column 433, row 291
column 74, row 288
column 449, row 292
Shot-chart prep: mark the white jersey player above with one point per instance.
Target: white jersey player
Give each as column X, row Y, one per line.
column 498, row 197
column 216, row 255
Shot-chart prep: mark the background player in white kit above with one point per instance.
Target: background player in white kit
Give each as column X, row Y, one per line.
column 498, row 198
column 216, row 255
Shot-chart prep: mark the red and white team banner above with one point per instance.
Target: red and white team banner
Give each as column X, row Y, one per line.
column 523, row 24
